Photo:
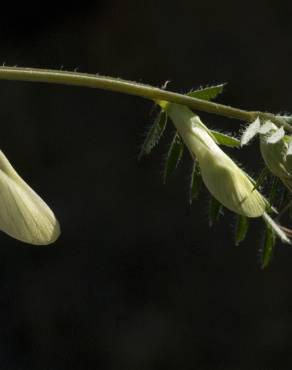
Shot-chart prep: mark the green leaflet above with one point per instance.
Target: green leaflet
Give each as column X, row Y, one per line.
column 261, row 178
column 195, row 183
column 207, row 93
column 154, row 134
column 215, row 209
column 173, row 157
column 224, row 139
column 273, row 190
column 270, row 223
column 268, row 247
column 285, row 197
column 241, row 229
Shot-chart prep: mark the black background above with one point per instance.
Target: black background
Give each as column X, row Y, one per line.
column 137, row 280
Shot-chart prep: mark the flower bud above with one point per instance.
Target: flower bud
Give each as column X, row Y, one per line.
column 228, row 183
column 23, row 214
column 275, row 155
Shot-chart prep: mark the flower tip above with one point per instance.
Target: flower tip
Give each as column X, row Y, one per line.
column 48, row 235
column 23, row 214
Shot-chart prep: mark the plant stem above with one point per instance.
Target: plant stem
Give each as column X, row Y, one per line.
column 287, row 231
column 284, row 210
column 133, row 88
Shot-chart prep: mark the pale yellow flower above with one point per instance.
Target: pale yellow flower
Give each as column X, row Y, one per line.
column 23, row 214
column 227, row 182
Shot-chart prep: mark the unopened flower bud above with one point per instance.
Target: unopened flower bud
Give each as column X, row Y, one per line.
column 23, row 214
column 276, row 156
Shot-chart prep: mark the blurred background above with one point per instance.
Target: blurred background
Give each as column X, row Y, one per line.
column 138, row 280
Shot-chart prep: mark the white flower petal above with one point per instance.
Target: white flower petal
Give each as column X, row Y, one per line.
column 276, row 136
column 250, row 132
column 23, row 214
column 267, row 127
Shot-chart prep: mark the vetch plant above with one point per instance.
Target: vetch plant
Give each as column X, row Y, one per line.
column 24, row 216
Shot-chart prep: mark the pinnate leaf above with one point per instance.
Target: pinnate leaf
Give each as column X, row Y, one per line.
column 207, row 93
column 268, row 247
column 224, row 139
column 195, row 183
column 154, row 134
column 215, row 209
column 173, row 157
column 241, row 230
column 261, row 178
column 273, row 189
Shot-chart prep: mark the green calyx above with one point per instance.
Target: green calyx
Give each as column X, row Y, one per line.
column 277, row 156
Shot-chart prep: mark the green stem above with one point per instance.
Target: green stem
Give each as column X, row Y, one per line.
column 133, row 88
column 284, row 210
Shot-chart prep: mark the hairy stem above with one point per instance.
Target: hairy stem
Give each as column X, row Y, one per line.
column 133, row 88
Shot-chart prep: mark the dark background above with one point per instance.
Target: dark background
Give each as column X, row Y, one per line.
column 138, row 280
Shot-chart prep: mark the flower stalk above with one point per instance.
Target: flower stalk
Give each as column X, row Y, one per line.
column 137, row 89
